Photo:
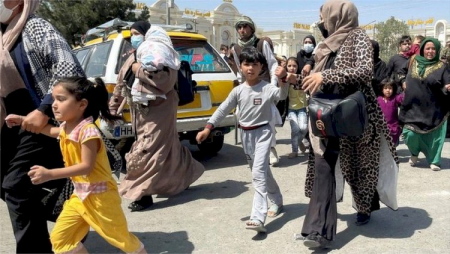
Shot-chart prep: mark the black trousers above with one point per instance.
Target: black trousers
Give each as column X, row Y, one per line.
column 321, row 216
column 20, row 150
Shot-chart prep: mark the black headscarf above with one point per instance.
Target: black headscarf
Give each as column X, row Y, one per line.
column 312, row 39
column 376, row 51
column 379, row 69
column 303, row 57
column 141, row 26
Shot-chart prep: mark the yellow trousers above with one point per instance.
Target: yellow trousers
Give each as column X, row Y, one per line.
column 103, row 213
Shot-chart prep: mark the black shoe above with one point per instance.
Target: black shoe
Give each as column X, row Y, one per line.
column 315, row 240
column 142, row 204
column 362, row 219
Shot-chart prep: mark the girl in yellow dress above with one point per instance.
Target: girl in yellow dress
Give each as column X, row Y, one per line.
column 96, row 201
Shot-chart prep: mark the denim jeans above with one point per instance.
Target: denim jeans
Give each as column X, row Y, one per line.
column 299, row 126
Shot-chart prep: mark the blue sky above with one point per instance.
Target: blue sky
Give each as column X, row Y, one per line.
column 281, row 14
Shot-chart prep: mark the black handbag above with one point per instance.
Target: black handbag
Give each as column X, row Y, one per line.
column 331, row 115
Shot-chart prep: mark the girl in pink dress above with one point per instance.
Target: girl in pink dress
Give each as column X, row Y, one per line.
column 389, row 102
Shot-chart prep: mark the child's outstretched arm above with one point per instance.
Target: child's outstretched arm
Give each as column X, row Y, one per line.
column 16, row 120
column 202, row 135
column 89, row 150
column 51, row 131
column 291, row 78
column 224, row 109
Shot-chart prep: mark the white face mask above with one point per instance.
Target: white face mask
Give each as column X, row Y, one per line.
column 308, row 48
column 5, row 13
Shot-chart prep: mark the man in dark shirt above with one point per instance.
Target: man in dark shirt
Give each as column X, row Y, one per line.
column 399, row 61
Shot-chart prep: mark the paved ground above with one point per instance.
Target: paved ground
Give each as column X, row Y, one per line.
column 209, row 217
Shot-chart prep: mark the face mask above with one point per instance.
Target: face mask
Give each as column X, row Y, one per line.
column 5, row 13
column 322, row 29
column 136, row 40
column 308, row 48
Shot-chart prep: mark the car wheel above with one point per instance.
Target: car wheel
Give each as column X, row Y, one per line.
column 212, row 147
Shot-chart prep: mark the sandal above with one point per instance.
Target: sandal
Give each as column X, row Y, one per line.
column 142, row 204
column 274, row 210
column 292, row 155
column 255, row 225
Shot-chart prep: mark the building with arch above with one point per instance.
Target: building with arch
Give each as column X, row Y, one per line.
column 218, row 26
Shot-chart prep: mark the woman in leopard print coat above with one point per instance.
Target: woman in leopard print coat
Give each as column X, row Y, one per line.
column 368, row 163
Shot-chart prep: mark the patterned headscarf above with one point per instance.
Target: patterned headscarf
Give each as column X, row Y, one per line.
column 157, row 51
column 422, row 62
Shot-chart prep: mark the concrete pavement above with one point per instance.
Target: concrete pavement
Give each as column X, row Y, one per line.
column 209, row 217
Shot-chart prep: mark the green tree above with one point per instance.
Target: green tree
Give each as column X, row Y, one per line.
column 145, row 14
column 388, row 34
column 75, row 17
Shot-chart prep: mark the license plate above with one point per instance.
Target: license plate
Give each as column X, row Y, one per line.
column 123, row 131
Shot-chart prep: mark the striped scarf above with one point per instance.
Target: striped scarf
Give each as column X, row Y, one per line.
column 250, row 42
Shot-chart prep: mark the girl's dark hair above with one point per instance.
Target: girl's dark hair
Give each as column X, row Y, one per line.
column 389, row 82
column 94, row 92
column 252, row 55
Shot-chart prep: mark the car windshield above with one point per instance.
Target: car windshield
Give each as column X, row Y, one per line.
column 81, row 55
column 200, row 55
column 94, row 58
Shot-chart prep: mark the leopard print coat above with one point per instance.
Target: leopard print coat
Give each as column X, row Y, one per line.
column 359, row 157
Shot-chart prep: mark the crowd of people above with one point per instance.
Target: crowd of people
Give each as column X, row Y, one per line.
column 46, row 97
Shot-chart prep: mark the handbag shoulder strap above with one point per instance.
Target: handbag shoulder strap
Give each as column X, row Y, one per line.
column 114, row 157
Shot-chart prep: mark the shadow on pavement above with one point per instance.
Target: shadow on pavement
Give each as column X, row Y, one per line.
column 229, row 156
column 284, row 141
column 217, row 190
column 384, row 223
column 290, row 212
column 285, row 162
column 154, row 242
column 404, row 155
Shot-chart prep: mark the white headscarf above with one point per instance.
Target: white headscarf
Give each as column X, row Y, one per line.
column 157, row 51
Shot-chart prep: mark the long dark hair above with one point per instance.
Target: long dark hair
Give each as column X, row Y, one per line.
column 388, row 82
column 94, row 92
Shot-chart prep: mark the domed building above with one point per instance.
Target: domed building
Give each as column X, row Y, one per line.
column 218, row 26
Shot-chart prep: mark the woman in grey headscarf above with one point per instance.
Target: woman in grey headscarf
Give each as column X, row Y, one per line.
column 33, row 56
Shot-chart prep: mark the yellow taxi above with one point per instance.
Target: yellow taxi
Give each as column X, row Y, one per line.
column 104, row 56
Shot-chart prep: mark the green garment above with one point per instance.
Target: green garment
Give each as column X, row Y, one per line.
column 430, row 144
column 423, row 63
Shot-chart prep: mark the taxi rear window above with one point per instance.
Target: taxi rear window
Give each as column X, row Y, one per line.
column 201, row 56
